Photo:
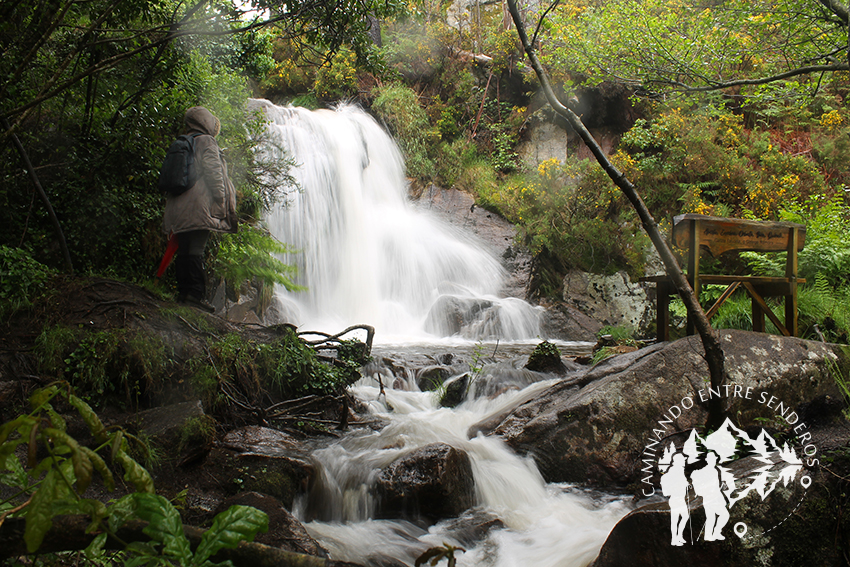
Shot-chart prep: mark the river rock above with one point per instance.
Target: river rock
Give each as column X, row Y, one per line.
column 546, row 358
column 432, row 377
column 430, row 483
column 450, row 314
column 472, row 526
column 592, row 426
column 285, row 531
column 456, row 391
column 614, row 300
column 258, row 459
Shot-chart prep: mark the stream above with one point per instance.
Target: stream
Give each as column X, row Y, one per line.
column 367, row 255
column 543, row 524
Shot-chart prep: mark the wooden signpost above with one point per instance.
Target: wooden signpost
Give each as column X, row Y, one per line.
column 718, row 235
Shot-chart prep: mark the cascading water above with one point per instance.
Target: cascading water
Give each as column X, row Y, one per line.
column 365, row 254
column 368, row 256
column 543, row 524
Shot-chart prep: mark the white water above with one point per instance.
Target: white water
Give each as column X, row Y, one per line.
column 546, row 524
column 366, row 254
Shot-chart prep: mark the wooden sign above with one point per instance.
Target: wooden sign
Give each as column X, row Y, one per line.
column 723, row 234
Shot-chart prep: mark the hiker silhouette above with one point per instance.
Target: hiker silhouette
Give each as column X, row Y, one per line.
column 707, row 483
column 674, row 484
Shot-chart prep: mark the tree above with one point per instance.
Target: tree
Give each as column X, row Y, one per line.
column 713, row 351
column 92, row 93
column 669, row 45
column 48, row 47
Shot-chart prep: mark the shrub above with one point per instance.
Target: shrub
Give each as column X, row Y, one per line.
column 22, row 279
column 398, row 106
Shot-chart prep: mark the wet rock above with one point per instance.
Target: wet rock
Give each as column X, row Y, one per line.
column 285, row 532
column 472, row 526
column 592, row 426
column 183, row 430
column 432, row 377
column 546, row 358
column 456, row 391
column 450, row 314
column 430, row 483
column 258, row 459
column 789, row 527
column 566, row 322
column 493, row 231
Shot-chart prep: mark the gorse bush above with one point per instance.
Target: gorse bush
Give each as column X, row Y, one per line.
column 561, row 212
column 704, row 160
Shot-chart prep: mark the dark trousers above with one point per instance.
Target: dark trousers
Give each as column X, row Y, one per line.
column 189, row 264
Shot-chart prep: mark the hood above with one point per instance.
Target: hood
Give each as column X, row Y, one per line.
column 199, row 119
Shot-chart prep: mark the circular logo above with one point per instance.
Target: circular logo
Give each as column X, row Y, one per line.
column 718, row 469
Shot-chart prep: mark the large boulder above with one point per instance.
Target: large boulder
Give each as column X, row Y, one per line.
column 430, row 483
column 285, row 531
column 450, row 314
column 613, row 300
column 791, row 526
column 258, row 459
column 593, row 426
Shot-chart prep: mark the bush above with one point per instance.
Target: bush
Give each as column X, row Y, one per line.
column 398, row 106
column 22, row 279
column 563, row 216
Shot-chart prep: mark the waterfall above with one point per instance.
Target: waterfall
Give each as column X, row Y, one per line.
column 365, row 253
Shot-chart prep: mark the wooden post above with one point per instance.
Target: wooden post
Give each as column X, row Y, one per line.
column 791, row 276
column 662, row 307
column 695, row 227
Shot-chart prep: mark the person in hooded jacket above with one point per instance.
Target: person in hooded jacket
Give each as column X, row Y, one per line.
column 209, row 205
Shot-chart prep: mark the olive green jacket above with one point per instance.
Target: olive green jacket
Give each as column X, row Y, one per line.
column 210, row 204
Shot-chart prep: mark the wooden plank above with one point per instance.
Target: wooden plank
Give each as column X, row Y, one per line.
column 694, row 243
column 723, row 234
column 791, row 273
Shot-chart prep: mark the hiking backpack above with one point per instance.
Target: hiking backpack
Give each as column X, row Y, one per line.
column 178, row 172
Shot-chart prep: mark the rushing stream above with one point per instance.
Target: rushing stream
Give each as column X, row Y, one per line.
column 369, row 256
column 544, row 524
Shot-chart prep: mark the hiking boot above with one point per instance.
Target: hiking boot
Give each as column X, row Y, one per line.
column 197, row 303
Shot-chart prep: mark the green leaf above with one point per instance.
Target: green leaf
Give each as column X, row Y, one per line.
column 164, row 525
column 82, row 463
column 24, row 422
column 145, row 554
column 42, row 396
column 135, row 473
column 121, row 511
column 117, row 444
column 89, row 417
column 100, row 466
column 95, row 548
column 236, row 524
column 39, row 518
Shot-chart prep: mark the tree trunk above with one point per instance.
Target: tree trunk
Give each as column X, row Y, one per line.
column 60, row 236
column 713, row 352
